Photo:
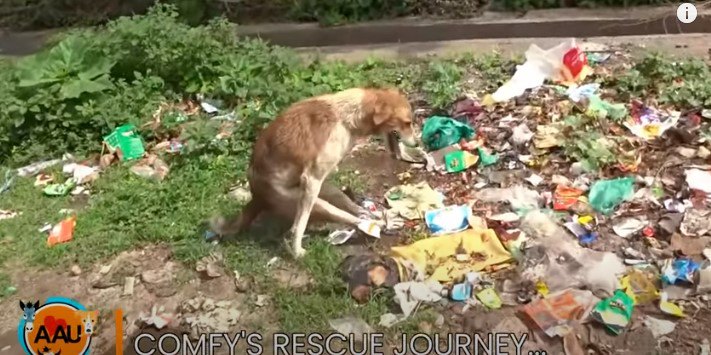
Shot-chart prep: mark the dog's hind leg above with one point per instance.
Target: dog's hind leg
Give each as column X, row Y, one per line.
column 334, row 196
column 310, row 188
column 238, row 222
column 325, row 211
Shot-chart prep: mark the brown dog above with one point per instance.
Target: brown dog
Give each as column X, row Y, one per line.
column 301, row 147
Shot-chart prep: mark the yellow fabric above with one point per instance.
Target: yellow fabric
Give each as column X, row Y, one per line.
column 449, row 257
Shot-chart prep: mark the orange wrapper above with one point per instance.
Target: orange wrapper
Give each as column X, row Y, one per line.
column 565, row 197
column 62, row 232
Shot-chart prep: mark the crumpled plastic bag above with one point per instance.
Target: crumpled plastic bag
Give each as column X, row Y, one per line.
column 412, row 201
column 606, row 195
column 541, row 65
column 649, row 123
column 439, row 132
column 602, row 109
column 578, row 93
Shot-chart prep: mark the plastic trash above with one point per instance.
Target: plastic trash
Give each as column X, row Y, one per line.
column 699, row 180
column 600, row 108
column 578, row 93
column 556, row 313
column 459, row 161
column 679, row 270
column 614, row 312
column 412, row 201
column 485, row 158
column 340, row 236
column 60, row 189
column 564, row 63
column 629, row 227
column 451, row 257
column 125, row 142
column 62, row 232
column 606, row 195
column 639, row 287
column 450, row 219
column 668, row 307
column 9, row 180
column 489, row 298
column 439, row 132
column 461, row 291
column 564, row 198
column 649, row 123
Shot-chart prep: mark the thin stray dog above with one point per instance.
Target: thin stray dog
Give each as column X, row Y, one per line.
column 297, row 151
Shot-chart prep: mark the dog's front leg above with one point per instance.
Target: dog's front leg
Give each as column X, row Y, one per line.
column 310, row 187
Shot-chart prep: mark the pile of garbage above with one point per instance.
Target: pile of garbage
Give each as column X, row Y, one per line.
column 515, row 220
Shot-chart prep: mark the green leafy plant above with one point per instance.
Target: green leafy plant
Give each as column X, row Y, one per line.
column 442, row 84
column 73, row 68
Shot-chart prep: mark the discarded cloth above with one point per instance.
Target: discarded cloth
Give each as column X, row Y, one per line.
column 439, row 132
column 412, row 201
column 450, row 257
column 606, row 195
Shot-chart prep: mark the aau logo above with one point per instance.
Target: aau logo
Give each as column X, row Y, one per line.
column 59, row 326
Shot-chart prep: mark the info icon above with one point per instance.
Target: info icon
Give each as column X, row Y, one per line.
column 686, row 13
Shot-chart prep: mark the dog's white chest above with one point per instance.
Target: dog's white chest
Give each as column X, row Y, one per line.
column 339, row 143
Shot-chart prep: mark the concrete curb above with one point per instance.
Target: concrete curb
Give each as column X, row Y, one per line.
column 557, row 23
column 580, row 23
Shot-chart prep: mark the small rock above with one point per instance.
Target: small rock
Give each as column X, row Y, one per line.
column 208, row 305
column 75, row 270
column 105, row 269
column 223, row 304
column 6, row 348
column 387, row 320
column 659, row 327
column 261, row 300
column 128, row 284
column 192, row 305
column 351, row 325
column 703, row 152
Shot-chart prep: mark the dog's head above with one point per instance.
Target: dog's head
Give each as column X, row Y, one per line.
column 393, row 113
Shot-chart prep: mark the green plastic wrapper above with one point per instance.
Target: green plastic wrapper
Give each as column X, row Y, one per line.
column 600, row 108
column 439, row 132
column 606, row 195
column 487, row 159
column 614, row 312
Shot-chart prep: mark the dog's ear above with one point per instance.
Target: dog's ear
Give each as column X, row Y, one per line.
column 22, row 305
column 37, row 305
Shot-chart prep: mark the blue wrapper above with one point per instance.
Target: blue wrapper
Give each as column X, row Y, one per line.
column 462, row 291
column 451, row 219
column 679, row 270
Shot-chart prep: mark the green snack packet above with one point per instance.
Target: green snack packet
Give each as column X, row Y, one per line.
column 614, row 312
column 459, row 161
